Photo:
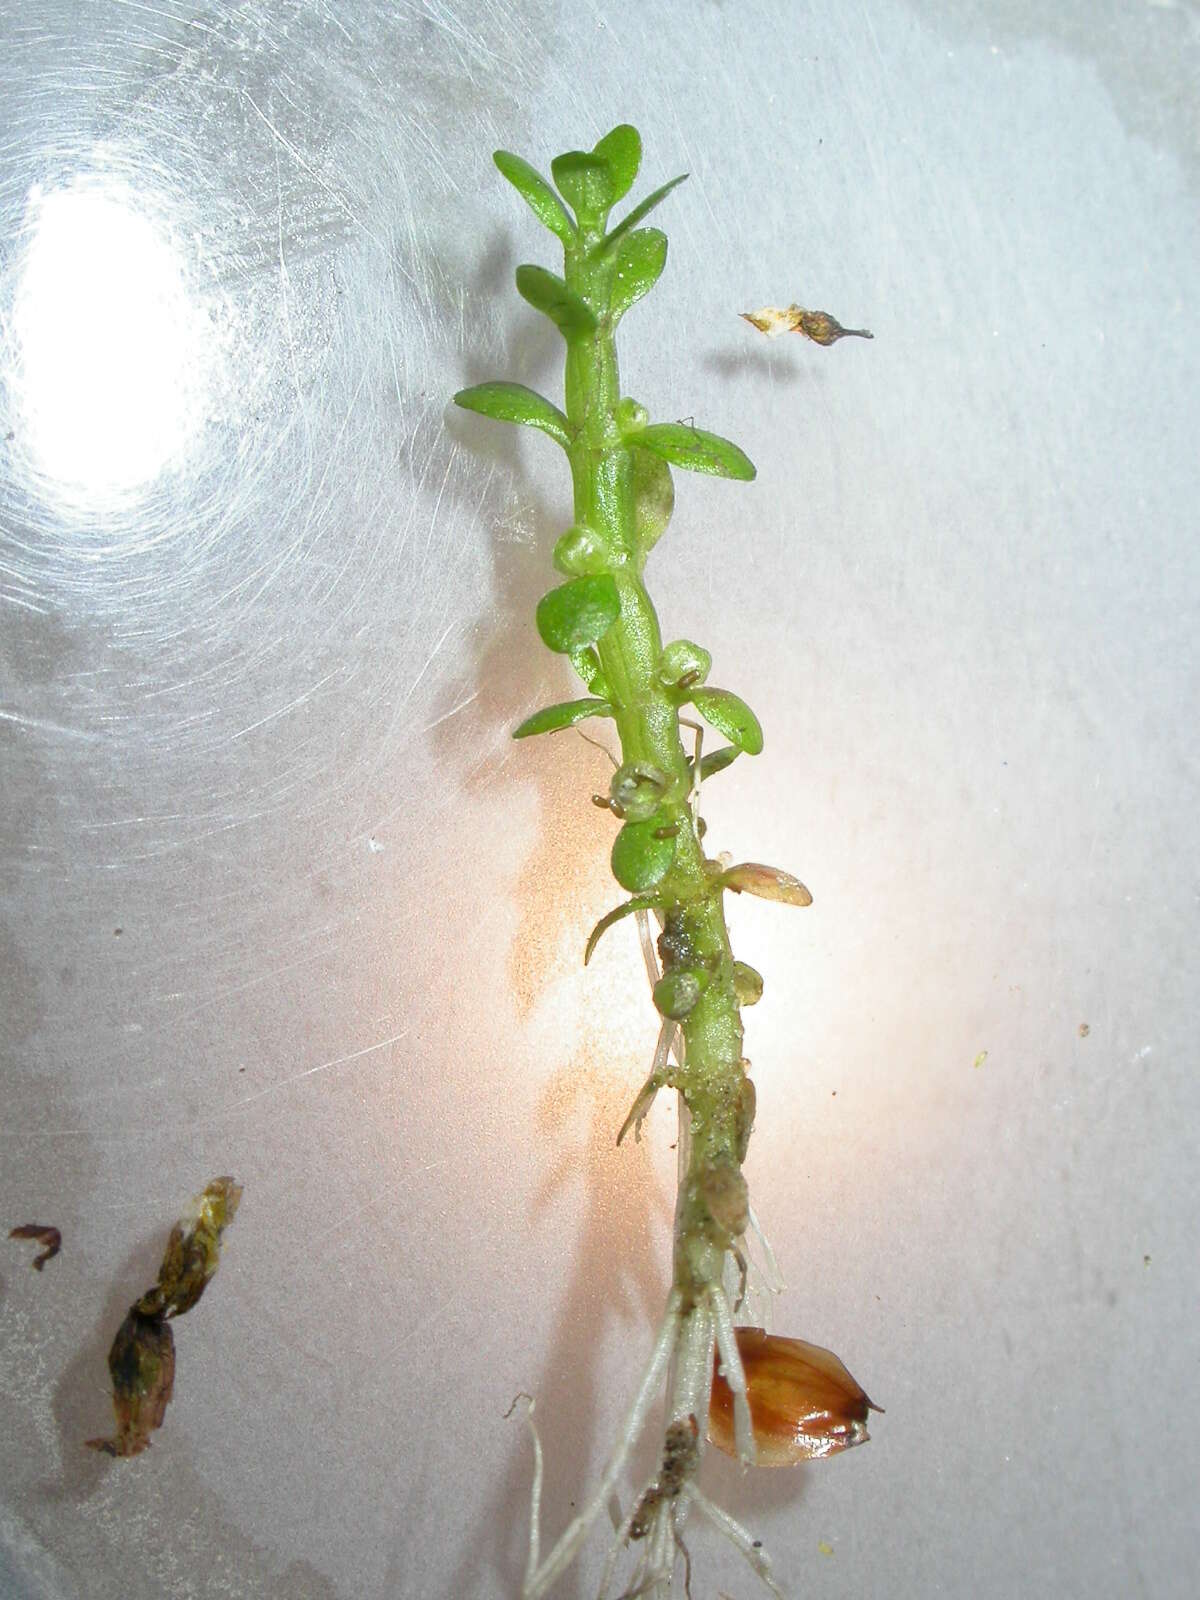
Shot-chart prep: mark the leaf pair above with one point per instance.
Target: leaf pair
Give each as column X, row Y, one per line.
column 638, row 268
column 676, row 443
column 591, row 182
column 750, row 877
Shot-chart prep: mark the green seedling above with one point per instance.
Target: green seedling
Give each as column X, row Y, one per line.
column 601, row 618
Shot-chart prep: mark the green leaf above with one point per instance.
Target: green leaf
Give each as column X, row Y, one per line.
column 622, row 149
column 717, row 761
column 585, row 182
column 587, row 664
column 730, row 716
column 578, row 613
column 611, row 240
column 550, row 295
column 640, row 260
column 537, row 194
column 641, row 855
column 551, row 718
column 685, row 446
column 513, row 402
column 653, row 497
column 768, row 883
column 642, row 902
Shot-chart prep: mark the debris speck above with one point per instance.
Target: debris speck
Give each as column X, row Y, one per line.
column 1084, row 1030
column 49, row 1238
column 980, row 1059
column 825, row 1548
column 818, row 326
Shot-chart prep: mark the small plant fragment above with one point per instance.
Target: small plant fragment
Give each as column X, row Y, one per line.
column 804, row 1404
column 49, row 1238
column 141, row 1362
column 818, row 326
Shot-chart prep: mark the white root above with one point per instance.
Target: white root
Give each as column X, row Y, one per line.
column 683, row 1354
column 539, row 1581
column 649, row 954
column 694, row 792
column 619, row 1540
column 771, row 1275
column 668, row 1038
column 733, row 1372
column 752, row 1276
column 738, row 1536
column 691, row 1381
column 535, row 1498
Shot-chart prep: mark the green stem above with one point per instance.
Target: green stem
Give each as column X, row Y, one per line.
column 712, row 1201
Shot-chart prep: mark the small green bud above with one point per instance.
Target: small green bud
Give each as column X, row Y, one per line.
column 631, row 415
column 683, row 664
column 747, row 984
column 676, row 994
column 581, row 553
column 635, row 791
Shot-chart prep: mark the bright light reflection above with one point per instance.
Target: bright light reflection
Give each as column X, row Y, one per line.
column 107, row 343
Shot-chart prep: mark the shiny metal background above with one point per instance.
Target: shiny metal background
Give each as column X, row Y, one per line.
column 280, row 899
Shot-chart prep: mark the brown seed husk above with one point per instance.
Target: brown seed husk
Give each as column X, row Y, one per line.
column 804, row 1404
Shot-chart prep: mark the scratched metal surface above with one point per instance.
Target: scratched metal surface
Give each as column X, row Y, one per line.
column 281, row 900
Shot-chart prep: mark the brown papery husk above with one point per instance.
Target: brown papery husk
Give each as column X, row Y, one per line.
column 804, row 1403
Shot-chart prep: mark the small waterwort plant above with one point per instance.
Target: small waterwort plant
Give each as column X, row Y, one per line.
column 800, row 1401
